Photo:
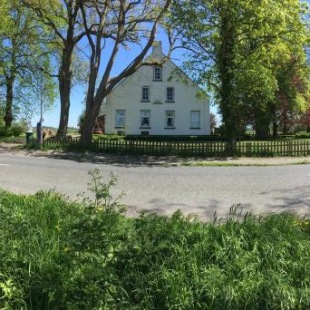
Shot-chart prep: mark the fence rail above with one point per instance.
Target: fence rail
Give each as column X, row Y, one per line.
column 186, row 148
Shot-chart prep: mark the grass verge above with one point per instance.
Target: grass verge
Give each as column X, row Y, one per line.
column 56, row 254
column 239, row 164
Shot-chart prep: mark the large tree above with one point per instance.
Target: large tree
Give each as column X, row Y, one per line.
column 233, row 43
column 24, row 56
column 111, row 26
column 61, row 17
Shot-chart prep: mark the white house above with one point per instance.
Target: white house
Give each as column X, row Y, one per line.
column 156, row 100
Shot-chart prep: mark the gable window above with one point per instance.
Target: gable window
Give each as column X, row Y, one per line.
column 170, row 119
column 145, row 116
column 170, row 94
column 145, row 93
column 195, row 120
column 157, row 74
column 120, row 118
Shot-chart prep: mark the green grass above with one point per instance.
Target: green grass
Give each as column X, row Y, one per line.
column 21, row 139
column 239, row 164
column 56, row 254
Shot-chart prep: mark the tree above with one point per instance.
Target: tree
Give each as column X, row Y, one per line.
column 110, row 26
column 233, row 43
column 24, row 54
column 62, row 17
column 294, row 91
column 305, row 119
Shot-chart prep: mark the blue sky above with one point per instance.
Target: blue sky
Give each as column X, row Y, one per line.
column 51, row 116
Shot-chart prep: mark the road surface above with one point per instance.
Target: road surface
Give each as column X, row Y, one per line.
column 198, row 190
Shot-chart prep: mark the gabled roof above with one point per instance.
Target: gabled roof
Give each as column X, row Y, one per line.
column 158, row 55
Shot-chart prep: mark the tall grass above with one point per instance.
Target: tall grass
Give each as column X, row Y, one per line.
column 56, row 254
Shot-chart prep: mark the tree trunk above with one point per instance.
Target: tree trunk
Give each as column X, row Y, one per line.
column 262, row 123
column 275, row 129
column 8, row 117
column 231, row 139
column 226, row 70
column 65, row 80
column 285, row 128
column 91, row 114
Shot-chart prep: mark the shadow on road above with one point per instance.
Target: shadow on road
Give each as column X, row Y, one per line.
column 124, row 160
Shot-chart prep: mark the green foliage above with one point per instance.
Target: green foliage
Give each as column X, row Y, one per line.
column 61, row 255
column 25, row 62
column 302, row 135
column 251, row 54
column 108, row 137
column 81, row 121
column 15, row 130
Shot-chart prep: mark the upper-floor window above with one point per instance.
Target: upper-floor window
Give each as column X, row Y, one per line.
column 120, row 118
column 157, row 74
column 170, row 94
column 145, row 96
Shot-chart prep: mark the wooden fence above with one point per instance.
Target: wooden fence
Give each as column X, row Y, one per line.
column 186, row 148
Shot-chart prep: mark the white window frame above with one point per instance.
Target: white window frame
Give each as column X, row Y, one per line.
column 145, row 95
column 145, row 114
column 170, row 94
column 120, row 118
column 169, row 114
column 195, row 119
column 157, row 73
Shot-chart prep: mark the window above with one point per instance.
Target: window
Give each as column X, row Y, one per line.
column 145, row 118
column 157, row 74
column 120, row 118
column 170, row 119
column 145, row 93
column 170, row 94
column 195, row 120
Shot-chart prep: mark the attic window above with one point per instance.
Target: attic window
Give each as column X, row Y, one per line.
column 157, row 74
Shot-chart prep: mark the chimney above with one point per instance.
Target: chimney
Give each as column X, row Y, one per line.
column 157, row 50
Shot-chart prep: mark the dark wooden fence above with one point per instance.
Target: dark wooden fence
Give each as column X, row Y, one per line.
column 186, row 148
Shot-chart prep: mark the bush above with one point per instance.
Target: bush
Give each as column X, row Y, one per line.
column 5, row 132
column 213, row 137
column 14, row 130
column 17, row 130
column 302, row 135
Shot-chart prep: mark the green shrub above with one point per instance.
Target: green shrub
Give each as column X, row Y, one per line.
column 302, row 135
column 5, row 132
column 14, row 130
column 17, row 130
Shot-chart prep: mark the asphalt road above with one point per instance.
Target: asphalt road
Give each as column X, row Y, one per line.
column 199, row 190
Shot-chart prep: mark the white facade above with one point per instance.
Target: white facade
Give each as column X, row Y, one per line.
column 156, row 100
